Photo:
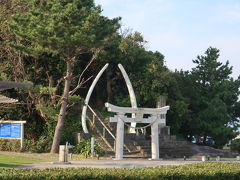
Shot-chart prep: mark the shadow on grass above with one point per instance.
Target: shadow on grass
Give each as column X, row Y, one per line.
column 8, row 165
column 8, row 161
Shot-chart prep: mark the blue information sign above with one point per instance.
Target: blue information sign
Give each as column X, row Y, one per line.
column 10, row 130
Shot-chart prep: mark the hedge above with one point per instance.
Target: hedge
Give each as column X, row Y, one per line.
column 208, row 170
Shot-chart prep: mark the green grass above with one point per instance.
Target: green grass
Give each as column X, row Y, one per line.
column 223, row 159
column 7, row 161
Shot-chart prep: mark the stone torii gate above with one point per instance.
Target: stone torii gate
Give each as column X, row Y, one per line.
column 155, row 117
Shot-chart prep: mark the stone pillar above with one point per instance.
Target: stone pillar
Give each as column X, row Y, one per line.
column 80, row 136
column 92, row 146
column 62, row 153
column 155, row 141
column 161, row 102
column 22, row 136
column 119, row 138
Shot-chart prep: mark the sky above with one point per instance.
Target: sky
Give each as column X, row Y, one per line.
column 182, row 29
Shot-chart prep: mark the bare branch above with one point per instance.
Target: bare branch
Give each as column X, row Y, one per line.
column 70, row 105
column 59, row 82
column 81, row 80
column 90, row 62
column 79, row 85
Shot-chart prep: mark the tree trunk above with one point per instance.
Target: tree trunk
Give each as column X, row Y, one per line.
column 61, row 116
column 204, row 140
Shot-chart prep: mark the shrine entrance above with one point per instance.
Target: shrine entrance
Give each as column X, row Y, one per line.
column 155, row 116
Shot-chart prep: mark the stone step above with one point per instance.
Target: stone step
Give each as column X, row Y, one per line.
column 135, row 156
column 144, row 143
column 167, row 138
column 143, row 147
column 170, row 146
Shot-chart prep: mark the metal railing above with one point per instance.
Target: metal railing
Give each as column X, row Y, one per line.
column 104, row 131
column 99, row 119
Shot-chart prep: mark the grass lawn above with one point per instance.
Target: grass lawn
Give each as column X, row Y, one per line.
column 223, row 159
column 7, row 161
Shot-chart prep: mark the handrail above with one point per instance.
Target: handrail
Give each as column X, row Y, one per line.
column 99, row 119
column 102, row 122
column 106, row 141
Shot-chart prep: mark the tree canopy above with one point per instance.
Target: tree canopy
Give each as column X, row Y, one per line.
column 65, row 29
column 60, row 45
column 211, row 96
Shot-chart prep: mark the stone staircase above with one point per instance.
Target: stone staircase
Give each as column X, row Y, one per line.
column 139, row 146
column 170, row 147
column 105, row 132
column 100, row 128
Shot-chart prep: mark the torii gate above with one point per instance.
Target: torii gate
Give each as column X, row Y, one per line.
column 156, row 116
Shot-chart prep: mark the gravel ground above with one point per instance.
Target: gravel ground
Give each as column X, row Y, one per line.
column 104, row 162
column 126, row 163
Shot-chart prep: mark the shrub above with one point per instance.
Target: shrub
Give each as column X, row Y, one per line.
column 43, row 144
column 10, row 145
column 204, row 171
column 14, row 145
column 84, row 147
column 235, row 145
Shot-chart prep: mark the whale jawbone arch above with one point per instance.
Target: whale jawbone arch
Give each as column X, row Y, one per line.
column 84, row 110
column 130, row 91
column 131, row 94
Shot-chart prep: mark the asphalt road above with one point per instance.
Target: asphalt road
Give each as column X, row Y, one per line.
column 128, row 163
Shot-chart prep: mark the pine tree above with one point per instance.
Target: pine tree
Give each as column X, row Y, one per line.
column 213, row 96
column 63, row 28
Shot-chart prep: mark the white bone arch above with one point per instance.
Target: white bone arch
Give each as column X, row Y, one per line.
column 84, row 110
column 131, row 94
column 130, row 90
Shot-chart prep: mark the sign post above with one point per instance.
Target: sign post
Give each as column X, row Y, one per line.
column 12, row 130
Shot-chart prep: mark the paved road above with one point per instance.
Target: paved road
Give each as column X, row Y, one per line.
column 108, row 164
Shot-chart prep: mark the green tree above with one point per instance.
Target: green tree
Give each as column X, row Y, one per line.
column 149, row 76
column 212, row 97
column 62, row 28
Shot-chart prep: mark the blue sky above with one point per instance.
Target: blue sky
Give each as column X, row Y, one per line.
column 183, row 29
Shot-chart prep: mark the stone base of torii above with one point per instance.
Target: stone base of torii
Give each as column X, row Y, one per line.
column 156, row 116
